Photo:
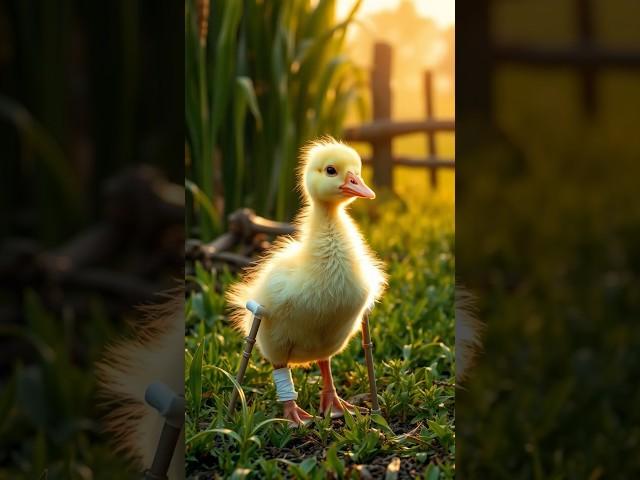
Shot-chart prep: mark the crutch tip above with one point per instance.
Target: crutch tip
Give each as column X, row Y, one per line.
column 255, row 308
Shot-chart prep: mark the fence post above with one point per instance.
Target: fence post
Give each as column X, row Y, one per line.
column 431, row 136
column 585, row 31
column 381, row 92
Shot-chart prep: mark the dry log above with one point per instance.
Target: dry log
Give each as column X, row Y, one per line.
column 246, row 224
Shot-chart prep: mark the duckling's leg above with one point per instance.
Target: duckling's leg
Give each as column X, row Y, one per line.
column 329, row 399
column 286, row 394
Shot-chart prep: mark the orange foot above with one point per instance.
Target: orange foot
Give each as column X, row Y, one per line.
column 295, row 414
column 330, row 401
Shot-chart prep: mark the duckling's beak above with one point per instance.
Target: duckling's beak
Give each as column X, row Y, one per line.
column 354, row 186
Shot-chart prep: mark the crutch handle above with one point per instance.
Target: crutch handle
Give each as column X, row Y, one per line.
column 171, row 406
column 255, row 308
column 166, row 402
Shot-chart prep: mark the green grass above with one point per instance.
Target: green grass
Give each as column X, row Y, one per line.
column 555, row 395
column 49, row 420
column 413, row 332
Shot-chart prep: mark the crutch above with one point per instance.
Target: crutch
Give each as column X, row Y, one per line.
column 258, row 312
column 367, row 344
column 171, row 407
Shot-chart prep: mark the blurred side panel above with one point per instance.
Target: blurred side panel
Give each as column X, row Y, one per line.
column 92, row 228
column 548, row 237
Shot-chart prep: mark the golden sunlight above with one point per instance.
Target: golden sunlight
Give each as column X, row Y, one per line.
column 440, row 11
column 422, row 35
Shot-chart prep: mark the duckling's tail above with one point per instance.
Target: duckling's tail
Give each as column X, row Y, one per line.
column 237, row 296
column 155, row 352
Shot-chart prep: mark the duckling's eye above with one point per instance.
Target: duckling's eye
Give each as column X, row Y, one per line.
column 331, row 171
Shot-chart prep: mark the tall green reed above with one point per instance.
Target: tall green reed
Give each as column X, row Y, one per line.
column 261, row 79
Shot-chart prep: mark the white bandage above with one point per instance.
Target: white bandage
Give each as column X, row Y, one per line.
column 284, row 385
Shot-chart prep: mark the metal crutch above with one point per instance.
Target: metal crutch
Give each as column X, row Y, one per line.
column 367, row 344
column 250, row 340
column 171, row 407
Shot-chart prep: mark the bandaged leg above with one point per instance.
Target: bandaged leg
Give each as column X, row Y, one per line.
column 286, row 393
column 285, row 390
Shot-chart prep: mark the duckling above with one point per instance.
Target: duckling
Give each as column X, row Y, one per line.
column 316, row 286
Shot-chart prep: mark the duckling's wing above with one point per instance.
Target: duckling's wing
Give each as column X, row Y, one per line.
column 258, row 281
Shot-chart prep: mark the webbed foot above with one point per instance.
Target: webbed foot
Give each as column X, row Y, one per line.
column 331, row 402
column 296, row 415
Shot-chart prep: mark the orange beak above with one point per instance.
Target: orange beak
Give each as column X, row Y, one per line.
column 354, row 186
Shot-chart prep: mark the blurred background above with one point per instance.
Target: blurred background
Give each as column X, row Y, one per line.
column 262, row 80
column 91, row 202
column 259, row 106
column 547, row 237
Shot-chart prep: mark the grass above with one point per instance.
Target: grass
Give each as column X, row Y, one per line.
column 555, row 395
column 49, row 425
column 413, row 332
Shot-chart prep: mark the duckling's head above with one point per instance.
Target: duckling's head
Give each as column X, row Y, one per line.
column 331, row 173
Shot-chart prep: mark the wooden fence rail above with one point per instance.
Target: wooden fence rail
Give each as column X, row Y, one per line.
column 381, row 131
column 586, row 57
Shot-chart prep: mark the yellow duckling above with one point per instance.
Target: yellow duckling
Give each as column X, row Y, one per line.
column 317, row 286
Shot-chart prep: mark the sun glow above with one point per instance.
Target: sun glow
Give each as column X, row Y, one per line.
column 440, row 11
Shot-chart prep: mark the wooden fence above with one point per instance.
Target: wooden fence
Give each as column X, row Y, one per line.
column 585, row 56
column 381, row 131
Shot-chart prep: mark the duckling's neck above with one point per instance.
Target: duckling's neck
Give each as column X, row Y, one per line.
column 320, row 215
column 326, row 224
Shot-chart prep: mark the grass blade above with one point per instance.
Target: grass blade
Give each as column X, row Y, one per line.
column 203, row 201
column 195, row 379
column 222, row 431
